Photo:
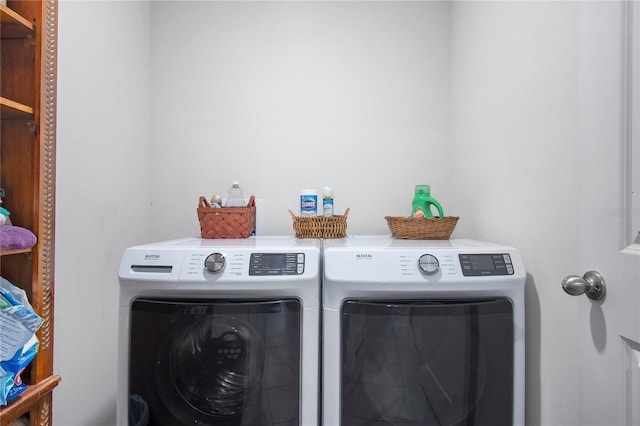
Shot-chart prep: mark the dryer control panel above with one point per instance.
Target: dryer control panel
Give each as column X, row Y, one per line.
column 479, row 265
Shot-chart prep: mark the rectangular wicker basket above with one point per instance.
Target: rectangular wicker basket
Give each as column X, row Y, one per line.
column 320, row 226
column 421, row 228
column 226, row 222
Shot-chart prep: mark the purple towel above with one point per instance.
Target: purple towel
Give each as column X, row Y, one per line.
column 15, row 237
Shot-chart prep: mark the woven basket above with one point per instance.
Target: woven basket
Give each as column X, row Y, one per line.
column 320, row 226
column 226, row 222
column 421, row 228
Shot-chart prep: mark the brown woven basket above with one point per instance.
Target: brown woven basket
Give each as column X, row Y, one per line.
column 320, row 226
column 226, row 222
column 421, row 228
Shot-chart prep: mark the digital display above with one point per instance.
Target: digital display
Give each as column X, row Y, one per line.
column 482, row 262
column 485, row 264
column 263, row 264
column 274, row 260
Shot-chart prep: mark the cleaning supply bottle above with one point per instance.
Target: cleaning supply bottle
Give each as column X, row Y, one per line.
column 236, row 196
column 308, row 202
column 327, row 201
column 422, row 202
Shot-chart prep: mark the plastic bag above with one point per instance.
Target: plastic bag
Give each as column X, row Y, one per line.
column 18, row 342
column 11, row 370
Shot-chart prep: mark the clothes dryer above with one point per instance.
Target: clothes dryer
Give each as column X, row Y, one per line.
column 219, row 332
column 422, row 333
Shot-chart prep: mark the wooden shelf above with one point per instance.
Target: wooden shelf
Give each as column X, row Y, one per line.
column 23, row 402
column 11, row 110
column 12, row 25
column 28, row 79
column 14, row 251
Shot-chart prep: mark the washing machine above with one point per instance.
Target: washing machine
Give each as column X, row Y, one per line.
column 422, row 333
column 219, row 332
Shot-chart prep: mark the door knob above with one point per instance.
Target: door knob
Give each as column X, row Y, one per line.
column 591, row 284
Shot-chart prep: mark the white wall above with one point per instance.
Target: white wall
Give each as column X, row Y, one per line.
column 102, row 193
column 292, row 95
column 514, row 114
column 478, row 99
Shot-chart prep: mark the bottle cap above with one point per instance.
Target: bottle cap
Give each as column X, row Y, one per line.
column 423, row 189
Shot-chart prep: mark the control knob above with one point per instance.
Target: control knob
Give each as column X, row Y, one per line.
column 428, row 264
column 214, row 263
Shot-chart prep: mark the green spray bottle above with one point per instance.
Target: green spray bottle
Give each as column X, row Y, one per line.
column 422, row 202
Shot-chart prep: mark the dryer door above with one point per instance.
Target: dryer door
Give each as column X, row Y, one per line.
column 427, row 362
column 215, row 362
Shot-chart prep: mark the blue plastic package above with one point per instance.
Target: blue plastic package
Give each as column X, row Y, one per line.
column 18, row 342
column 15, row 366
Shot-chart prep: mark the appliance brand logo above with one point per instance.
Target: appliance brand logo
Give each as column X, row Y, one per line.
column 364, row 256
column 151, row 257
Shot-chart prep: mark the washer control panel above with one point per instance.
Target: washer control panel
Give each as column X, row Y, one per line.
column 476, row 265
column 266, row 264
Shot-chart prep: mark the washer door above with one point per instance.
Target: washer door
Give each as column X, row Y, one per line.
column 216, row 362
column 211, row 367
column 427, row 363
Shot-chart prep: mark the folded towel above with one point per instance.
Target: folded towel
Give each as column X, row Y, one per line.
column 15, row 237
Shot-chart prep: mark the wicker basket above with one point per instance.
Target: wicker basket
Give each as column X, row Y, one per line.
column 421, row 228
column 320, row 226
column 226, row 222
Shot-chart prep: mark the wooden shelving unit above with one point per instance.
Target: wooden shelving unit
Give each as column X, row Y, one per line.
column 28, row 49
column 14, row 110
